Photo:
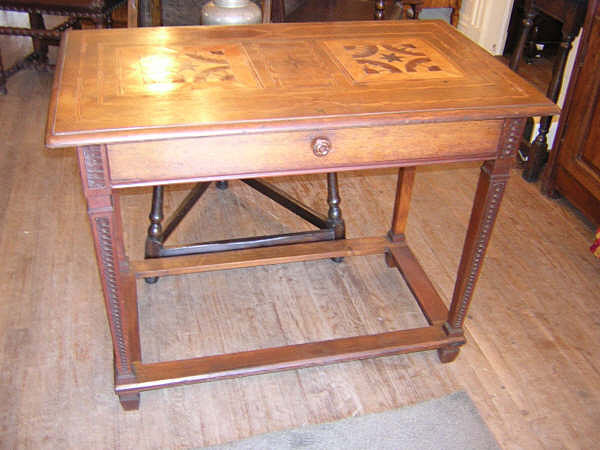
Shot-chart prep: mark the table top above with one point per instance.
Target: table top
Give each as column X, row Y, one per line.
column 139, row 84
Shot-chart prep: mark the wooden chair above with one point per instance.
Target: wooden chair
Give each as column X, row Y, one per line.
column 97, row 11
column 403, row 9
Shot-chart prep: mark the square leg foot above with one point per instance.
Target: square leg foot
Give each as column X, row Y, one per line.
column 389, row 260
column 448, row 354
column 130, row 402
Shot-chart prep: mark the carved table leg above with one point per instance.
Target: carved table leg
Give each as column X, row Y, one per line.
column 334, row 216
column 118, row 282
column 406, row 179
column 490, row 189
column 153, row 240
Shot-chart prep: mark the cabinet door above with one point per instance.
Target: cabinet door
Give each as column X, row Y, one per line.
column 578, row 172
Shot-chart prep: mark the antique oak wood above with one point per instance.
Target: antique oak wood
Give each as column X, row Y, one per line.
column 172, row 105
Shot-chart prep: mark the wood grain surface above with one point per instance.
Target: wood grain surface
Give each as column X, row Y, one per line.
column 253, row 155
column 144, row 83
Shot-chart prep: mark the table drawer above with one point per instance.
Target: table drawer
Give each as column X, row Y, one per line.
column 281, row 153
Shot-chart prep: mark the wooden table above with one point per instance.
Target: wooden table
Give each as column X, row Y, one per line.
column 154, row 106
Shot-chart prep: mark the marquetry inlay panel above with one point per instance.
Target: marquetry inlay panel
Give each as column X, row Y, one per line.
column 391, row 59
column 177, row 67
column 296, row 65
column 207, row 81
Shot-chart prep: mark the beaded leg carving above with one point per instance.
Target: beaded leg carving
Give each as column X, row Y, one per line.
column 118, row 282
column 490, row 189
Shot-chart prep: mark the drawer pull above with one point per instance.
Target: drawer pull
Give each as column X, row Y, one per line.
column 321, row 146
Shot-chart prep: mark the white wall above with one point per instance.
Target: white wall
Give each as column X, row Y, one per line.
column 486, row 22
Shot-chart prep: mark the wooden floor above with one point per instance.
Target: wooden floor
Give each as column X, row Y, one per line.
column 531, row 365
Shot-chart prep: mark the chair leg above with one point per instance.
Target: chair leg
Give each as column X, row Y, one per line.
column 379, row 13
column 2, row 77
column 103, row 21
column 277, row 11
column 40, row 46
column 416, row 9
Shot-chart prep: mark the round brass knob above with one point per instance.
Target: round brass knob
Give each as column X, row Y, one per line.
column 321, row 146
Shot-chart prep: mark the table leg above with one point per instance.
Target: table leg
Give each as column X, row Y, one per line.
column 417, row 7
column 156, row 12
column 334, row 215
column 490, row 189
column 455, row 13
column 153, row 239
column 379, row 10
column 133, row 13
column 406, row 179
column 526, row 25
column 40, row 46
column 277, row 11
column 118, row 281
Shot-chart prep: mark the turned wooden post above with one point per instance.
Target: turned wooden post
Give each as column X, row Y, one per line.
column 379, row 10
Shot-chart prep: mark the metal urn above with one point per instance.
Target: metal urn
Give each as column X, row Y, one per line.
column 231, row 12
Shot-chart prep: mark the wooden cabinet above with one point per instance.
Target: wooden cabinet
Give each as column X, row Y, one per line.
column 574, row 167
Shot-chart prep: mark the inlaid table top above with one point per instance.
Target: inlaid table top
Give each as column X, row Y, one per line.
column 141, row 84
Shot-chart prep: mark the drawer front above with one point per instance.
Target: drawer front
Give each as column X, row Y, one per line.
column 273, row 154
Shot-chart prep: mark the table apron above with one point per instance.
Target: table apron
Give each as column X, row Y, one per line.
column 285, row 153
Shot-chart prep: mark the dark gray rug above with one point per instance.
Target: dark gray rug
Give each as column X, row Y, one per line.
column 447, row 423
